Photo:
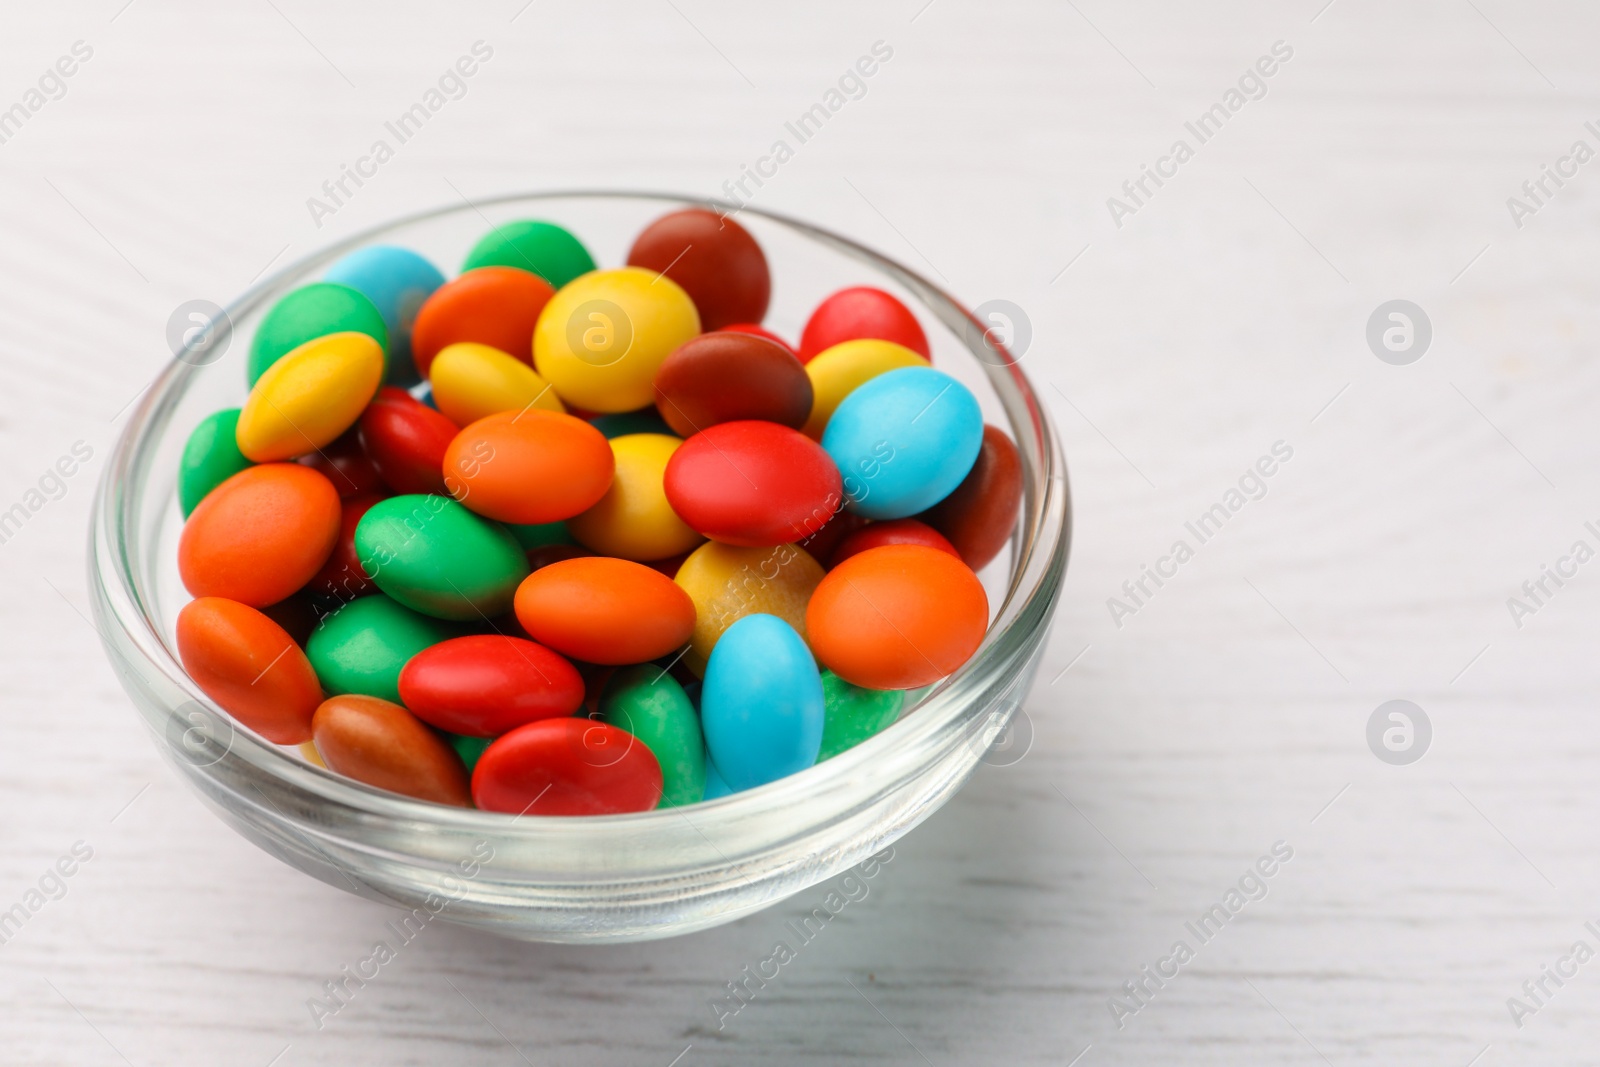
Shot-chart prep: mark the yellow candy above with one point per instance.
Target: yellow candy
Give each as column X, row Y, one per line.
column 836, row 371
column 308, row 749
column 633, row 520
column 309, row 397
column 471, row 381
column 727, row 583
column 601, row 338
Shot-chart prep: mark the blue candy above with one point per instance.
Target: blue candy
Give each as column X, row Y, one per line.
column 397, row 281
column 761, row 704
column 903, row 441
column 715, row 786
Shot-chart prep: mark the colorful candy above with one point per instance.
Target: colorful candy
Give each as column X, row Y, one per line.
column 472, row 381
column 713, row 258
column 979, row 515
column 762, row 704
column 345, row 463
column 259, row 536
column 604, row 610
column 891, row 532
column 529, row 466
column 484, row 685
column 726, row 583
column 839, row 371
column 753, row 484
column 634, row 520
column 494, row 306
column 309, row 397
column 566, row 767
column 852, row 714
column 406, row 441
column 543, row 248
column 397, row 281
column 434, row 556
column 250, row 666
column 728, row 376
column 648, row 703
column 861, row 311
column 210, row 457
column 310, row 312
column 362, row 647
column 382, row 744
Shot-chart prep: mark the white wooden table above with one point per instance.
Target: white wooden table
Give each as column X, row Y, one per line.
column 1227, row 313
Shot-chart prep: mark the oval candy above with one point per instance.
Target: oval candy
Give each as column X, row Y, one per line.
column 648, row 703
column 753, row 484
column 310, row 312
column 342, row 577
column 383, row 745
column 250, row 666
column 543, row 248
column 762, row 705
column 347, row 466
column 897, row 617
column 309, row 397
column 566, row 767
column 529, row 467
column 713, row 258
column 406, row 441
column 605, row 611
column 434, row 556
column 484, row 685
column 727, row 583
column 362, row 647
column 634, row 520
column 623, row 423
column 853, row 714
column 210, row 457
column 858, row 312
column 494, row 306
column 471, row 381
column 729, row 376
column 837, row 372
column 397, row 281
column 980, row 514
column 260, row 535
column 890, row 532
column 762, row 331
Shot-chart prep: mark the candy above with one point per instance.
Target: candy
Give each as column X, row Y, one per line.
column 716, row 785
column 250, row 667
column 603, row 610
column 633, row 520
column 979, row 515
column 471, row 381
column 602, row 338
column 309, row 397
column 761, row 331
column 544, row 248
column 752, row 484
column 713, row 258
column 646, row 702
column 762, row 704
column 434, row 556
column 406, row 441
column 310, row 312
column 397, row 281
column 362, row 647
column 822, row 544
column 342, row 577
column 494, row 306
column 566, row 767
column 529, row 466
column 346, row 464
column 210, row 457
column 896, row 617
column 904, row 441
column 537, row 535
column 623, row 423
column 470, row 749
column 840, row 370
column 384, row 745
column 545, row 555
column 859, row 312
column 853, row 714
column 260, row 535
column 297, row 614
column 726, row 584
column 728, row 376
column 484, row 685
column 892, row 532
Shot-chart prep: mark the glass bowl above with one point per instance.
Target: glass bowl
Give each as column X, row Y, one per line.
column 599, row 879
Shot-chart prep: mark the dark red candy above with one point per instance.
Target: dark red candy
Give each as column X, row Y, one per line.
column 567, row 767
column 713, row 258
column 978, row 517
column 761, row 331
column 821, row 545
column 860, row 312
column 892, row 532
column 346, row 464
column 406, row 440
column 726, row 376
column 544, row 555
column 342, row 577
column 488, row 684
column 668, row 566
column 752, row 484
column 297, row 615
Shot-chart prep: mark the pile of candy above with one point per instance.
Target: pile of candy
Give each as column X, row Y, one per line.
column 551, row 539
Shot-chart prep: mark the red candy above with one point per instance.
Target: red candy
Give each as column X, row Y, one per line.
column 979, row 516
column 861, row 312
column 728, row 376
column 753, row 484
column 892, row 532
column 567, row 767
column 346, row 465
column 494, row 306
column 407, row 440
column 761, row 331
column 488, row 684
column 714, row 260
column 343, row 576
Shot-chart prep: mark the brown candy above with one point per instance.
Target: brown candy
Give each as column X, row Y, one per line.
column 978, row 517
column 384, row 745
column 728, row 376
column 714, row 259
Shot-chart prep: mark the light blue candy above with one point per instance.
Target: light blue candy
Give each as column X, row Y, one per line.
column 903, row 441
column 715, row 786
column 761, row 704
column 397, row 281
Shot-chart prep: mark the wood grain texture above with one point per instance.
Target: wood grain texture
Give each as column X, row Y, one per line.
column 1226, row 314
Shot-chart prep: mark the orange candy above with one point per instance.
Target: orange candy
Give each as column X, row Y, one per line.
column 897, row 617
column 494, row 306
column 260, row 535
column 530, row 466
column 384, row 745
column 604, row 610
column 250, row 666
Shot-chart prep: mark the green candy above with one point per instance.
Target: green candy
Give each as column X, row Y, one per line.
column 468, row 748
column 310, row 312
column 649, row 703
column 543, row 248
column 538, row 535
column 361, row 647
column 645, row 420
column 852, row 714
column 210, row 458
column 434, row 556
